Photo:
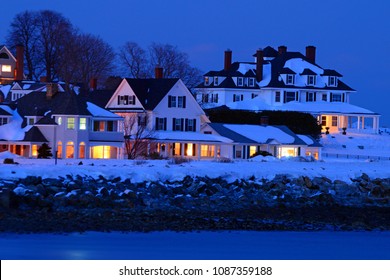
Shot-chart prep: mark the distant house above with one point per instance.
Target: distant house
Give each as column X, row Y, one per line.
column 11, row 67
column 69, row 124
column 248, row 140
column 289, row 81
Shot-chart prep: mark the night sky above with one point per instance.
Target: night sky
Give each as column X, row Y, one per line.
column 352, row 37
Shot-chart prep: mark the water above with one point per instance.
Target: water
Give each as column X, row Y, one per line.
column 224, row 245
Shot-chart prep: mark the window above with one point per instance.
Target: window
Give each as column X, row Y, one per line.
column 6, row 68
column 189, row 149
column 311, row 80
column 214, row 97
column 30, row 121
column 59, row 120
column 290, row 79
column 171, row 101
column 336, row 97
column 240, row 81
column 332, row 81
column 334, row 120
column 238, row 97
column 142, row 120
column 207, row 150
column 215, row 81
column 110, row 126
column 310, row 96
column 126, row 99
column 251, row 82
column 254, row 95
column 70, row 150
column 290, row 96
column 277, row 96
column 34, row 150
column 98, row 126
column 83, row 124
column 323, row 121
column 324, row 97
column 206, row 81
column 190, row 125
column 70, row 123
column 252, row 150
column 176, row 149
column 3, row 121
column 161, row 123
column 177, row 124
column 181, row 102
column 59, row 149
column 205, row 98
column 82, row 150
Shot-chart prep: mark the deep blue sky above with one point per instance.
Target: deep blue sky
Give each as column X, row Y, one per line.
column 352, row 37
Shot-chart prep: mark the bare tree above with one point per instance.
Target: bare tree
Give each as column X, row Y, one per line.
column 175, row 63
column 134, row 60
column 85, row 57
column 24, row 31
column 54, row 30
column 137, row 135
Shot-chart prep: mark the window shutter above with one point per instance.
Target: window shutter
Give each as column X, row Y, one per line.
column 165, row 123
column 234, row 151
column 242, row 97
column 284, row 97
column 186, row 122
column 193, row 149
column 343, row 97
column 331, row 97
column 169, row 101
column 173, row 124
column 296, row 96
column 119, row 100
column 184, row 101
column 182, row 124
column 307, row 96
column 216, row 98
column 194, row 128
column 156, row 126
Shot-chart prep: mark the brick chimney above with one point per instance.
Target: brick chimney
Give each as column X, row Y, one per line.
column 282, row 50
column 51, row 90
column 264, row 120
column 259, row 64
column 19, row 63
column 311, row 54
column 93, row 83
column 228, row 60
column 158, row 72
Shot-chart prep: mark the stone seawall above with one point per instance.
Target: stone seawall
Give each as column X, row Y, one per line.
column 76, row 203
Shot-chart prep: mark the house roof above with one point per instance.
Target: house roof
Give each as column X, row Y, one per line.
column 285, row 63
column 228, row 133
column 46, row 120
column 151, row 91
column 34, row 135
column 100, row 97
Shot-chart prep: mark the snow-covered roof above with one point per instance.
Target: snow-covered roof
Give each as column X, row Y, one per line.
column 13, row 131
column 190, row 136
column 97, row 111
column 318, row 107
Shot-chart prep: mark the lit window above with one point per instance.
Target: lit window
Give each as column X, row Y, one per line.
column 189, row 149
column 34, row 150
column 207, row 150
column 206, row 81
column 288, row 152
column 323, row 121
column 101, row 152
column 334, row 120
column 59, row 149
column 6, row 68
column 83, row 124
column 82, row 150
column 59, row 120
column 70, row 123
column 176, row 149
column 110, row 125
column 252, row 150
column 70, row 150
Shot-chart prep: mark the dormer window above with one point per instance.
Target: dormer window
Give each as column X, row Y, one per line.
column 332, row 81
column 311, row 80
column 240, row 81
column 290, row 79
column 206, row 81
column 215, row 81
column 252, row 82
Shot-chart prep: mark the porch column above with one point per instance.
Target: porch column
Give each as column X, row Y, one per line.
column 358, row 123
column 198, row 151
column 182, row 150
column 363, row 125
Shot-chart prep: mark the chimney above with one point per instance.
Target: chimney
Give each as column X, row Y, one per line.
column 259, row 65
column 19, row 62
column 93, row 84
column 158, row 72
column 228, row 60
column 282, row 50
column 311, row 54
column 264, row 120
column 51, row 90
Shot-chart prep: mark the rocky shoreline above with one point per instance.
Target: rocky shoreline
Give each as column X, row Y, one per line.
column 76, row 203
